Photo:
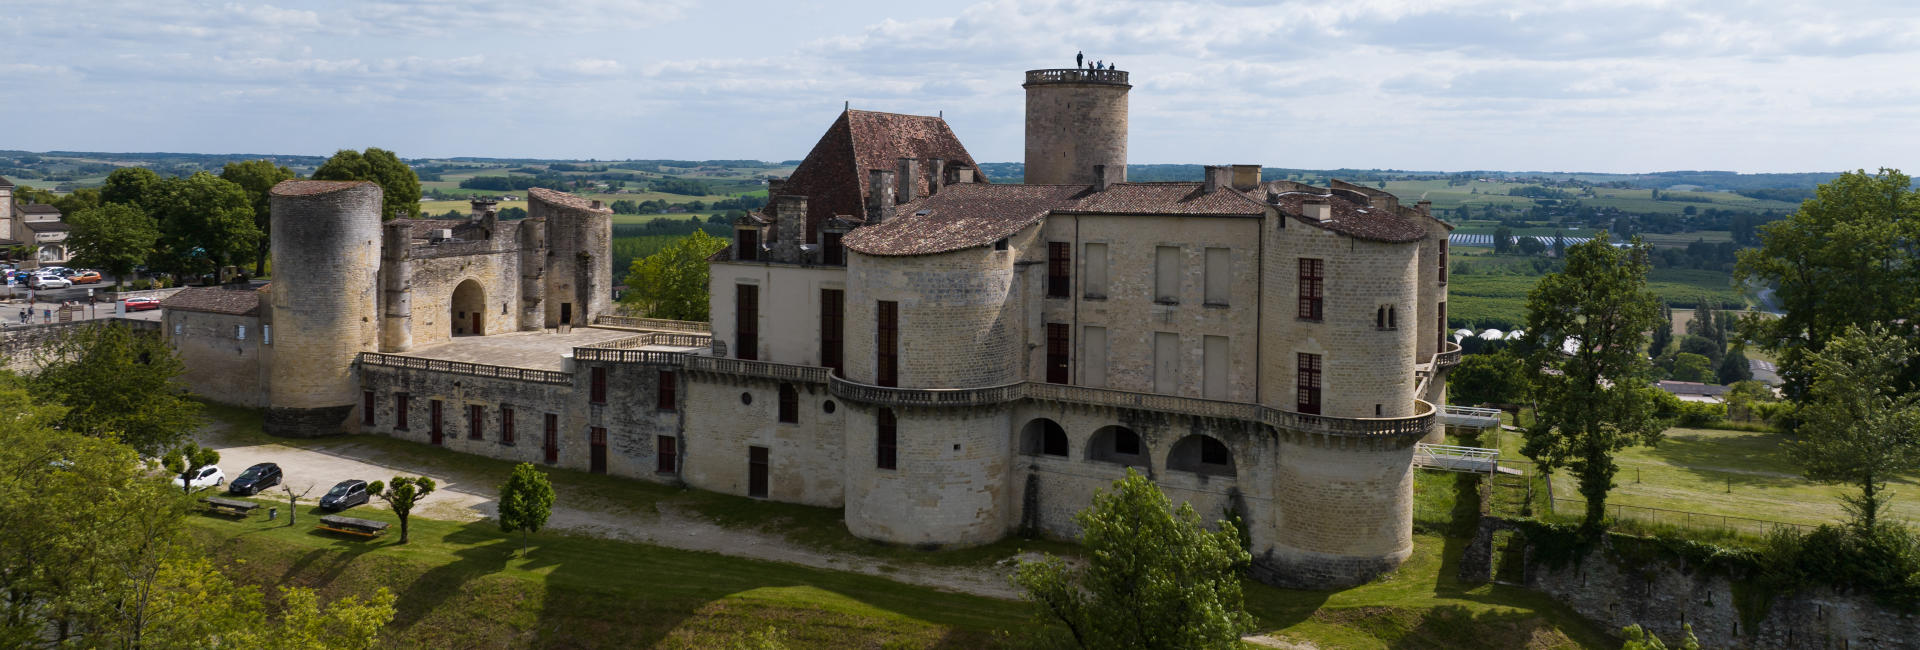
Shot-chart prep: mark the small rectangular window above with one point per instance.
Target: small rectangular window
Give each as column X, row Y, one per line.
column 1166, row 362
column 266, row 335
column 1093, row 356
column 664, row 455
column 886, row 443
column 400, row 412
column 506, row 425
column 598, row 391
column 433, row 413
column 1311, row 284
column 1307, row 380
column 1219, row 271
column 746, row 244
column 476, row 418
column 1166, row 274
column 789, row 403
column 746, row 322
column 366, row 407
column 1214, row 365
column 240, row 332
column 887, row 356
column 1057, row 349
column 1443, row 261
column 757, row 468
column 668, row 392
column 1059, row 269
column 1095, row 261
column 176, row 329
column 831, row 252
column 832, row 323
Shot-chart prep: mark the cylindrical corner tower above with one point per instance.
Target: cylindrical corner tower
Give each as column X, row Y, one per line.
column 325, row 301
column 579, row 268
column 1076, row 118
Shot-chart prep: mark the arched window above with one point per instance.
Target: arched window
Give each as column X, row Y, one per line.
column 1393, row 318
column 1043, row 437
column 1201, row 454
column 1117, row 444
column 1380, row 318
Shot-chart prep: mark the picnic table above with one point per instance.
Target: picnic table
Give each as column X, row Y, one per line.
column 353, row 525
column 237, row 507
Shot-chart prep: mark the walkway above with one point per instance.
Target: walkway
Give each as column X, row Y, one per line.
column 542, row 350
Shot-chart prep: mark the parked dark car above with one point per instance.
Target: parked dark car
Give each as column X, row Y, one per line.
column 256, row 478
column 345, row 494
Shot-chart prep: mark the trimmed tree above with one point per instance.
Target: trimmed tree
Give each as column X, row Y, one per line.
column 402, row 494
column 526, row 499
column 1856, row 426
column 1154, row 576
column 1586, row 327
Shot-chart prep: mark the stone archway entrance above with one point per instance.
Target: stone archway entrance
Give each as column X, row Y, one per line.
column 469, row 308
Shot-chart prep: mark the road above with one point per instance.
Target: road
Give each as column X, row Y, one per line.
column 467, row 497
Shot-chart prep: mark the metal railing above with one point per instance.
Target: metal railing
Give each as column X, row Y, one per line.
column 762, row 369
column 1681, row 518
column 885, row 396
column 1454, row 458
column 653, row 323
column 464, row 368
column 1080, row 75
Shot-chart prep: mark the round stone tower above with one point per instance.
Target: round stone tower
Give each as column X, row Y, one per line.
column 1076, row 118
column 579, row 268
column 325, row 297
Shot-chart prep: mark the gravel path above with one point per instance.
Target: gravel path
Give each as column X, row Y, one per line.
column 471, row 498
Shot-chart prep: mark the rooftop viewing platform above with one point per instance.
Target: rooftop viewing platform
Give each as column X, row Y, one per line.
column 1077, row 76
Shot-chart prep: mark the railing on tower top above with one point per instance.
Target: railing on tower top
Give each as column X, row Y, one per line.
column 464, row 368
column 1076, row 75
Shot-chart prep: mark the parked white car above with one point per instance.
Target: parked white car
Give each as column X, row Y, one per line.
column 49, row 282
column 208, row 477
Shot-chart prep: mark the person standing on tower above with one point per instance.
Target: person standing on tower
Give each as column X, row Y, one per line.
column 1079, row 59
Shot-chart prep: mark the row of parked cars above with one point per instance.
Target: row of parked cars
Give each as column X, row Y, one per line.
column 343, row 495
column 52, row 277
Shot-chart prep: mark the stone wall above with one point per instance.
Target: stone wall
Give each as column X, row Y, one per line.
column 959, row 326
column 951, row 484
column 496, row 271
column 727, row 414
column 789, row 325
column 530, row 401
column 1343, row 510
column 220, row 365
column 1362, row 366
column 326, row 251
column 1073, row 126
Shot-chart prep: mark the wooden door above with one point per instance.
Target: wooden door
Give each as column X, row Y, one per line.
column 436, row 421
column 553, row 438
column 757, row 472
column 475, row 328
column 599, row 443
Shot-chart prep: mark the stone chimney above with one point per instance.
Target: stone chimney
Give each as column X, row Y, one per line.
column 775, row 186
column 1388, row 203
column 597, row 205
column 789, row 218
column 962, row 175
column 1217, row 176
column 1246, row 177
column 879, row 195
column 908, row 175
column 482, row 208
column 1105, row 176
column 1317, row 209
column 936, row 174
column 1425, row 207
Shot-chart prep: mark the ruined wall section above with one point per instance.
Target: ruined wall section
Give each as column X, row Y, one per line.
column 437, row 271
column 579, row 264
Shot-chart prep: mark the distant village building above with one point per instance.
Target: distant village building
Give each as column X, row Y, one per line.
column 35, row 224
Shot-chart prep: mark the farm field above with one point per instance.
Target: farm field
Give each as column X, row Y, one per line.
column 1500, row 301
column 1495, row 193
column 1732, row 473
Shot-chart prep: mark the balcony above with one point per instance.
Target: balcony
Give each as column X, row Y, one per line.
column 884, row 396
column 1448, row 357
column 760, row 369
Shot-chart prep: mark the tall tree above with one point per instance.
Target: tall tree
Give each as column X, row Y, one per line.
column 1154, row 577
column 526, row 499
column 135, row 186
column 1588, row 325
column 205, row 221
column 1487, row 379
column 115, row 237
column 1502, row 240
column 118, row 384
column 1857, row 426
column 1734, row 368
column 1847, row 257
column 672, row 283
column 402, row 494
column 258, row 177
column 1662, row 333
column 79, row 200
column 399, row 186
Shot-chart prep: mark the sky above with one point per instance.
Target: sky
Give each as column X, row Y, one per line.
column 1549, row 85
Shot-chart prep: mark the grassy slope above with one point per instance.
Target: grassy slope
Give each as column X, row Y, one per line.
column 461, row 585
column 1479, row 297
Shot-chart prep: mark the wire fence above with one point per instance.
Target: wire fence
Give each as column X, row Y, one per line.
column 1682, row 518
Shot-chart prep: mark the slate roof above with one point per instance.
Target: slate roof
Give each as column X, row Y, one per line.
column 36, row 208
column 834, row 175
column 48, row 226
column 1691, row 388
column 968, row 215
column 236, row 300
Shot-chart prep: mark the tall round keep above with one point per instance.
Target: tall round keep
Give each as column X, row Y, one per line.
column 579, row 264
column 1076, row 118
column 325, row 302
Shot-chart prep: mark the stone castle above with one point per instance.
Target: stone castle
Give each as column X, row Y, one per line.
column 948, row 359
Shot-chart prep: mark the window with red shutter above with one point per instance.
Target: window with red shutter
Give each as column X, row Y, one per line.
column 1307, row 377
column 1312, row 283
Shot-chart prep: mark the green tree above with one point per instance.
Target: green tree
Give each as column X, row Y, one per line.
column 399, row 186
column 1588, row 325
column 1857, row 426
column 186, row 461
column 402, row 494
column 1487, row 379
column 1502, row 240
column 114, row 237
column 258, row 177
column 672, row 283
column 1662, row 333
column 1734, row 368
column 1701, row 345
column 119, row 384
column 135, row 186
column 526, row 499
column 1688, row 366
column 79, row 200
column 1639, row 638
column 1845, row 258
column 1154, row 576
column 1531, row 246
column 205, row 221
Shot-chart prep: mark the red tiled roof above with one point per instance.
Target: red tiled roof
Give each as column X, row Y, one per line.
column 5, row 183
column 237, row 300
column 565, row 200
column 834, row 175
column 1354, row 218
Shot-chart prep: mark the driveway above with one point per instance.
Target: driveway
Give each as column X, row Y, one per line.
column 464, row 497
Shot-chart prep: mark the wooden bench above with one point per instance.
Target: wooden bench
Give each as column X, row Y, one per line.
column 232, row 507
column 353, row 526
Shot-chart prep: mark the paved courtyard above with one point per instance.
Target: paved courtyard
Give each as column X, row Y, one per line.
column 540, row 350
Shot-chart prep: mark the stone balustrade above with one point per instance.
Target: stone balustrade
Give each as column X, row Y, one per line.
column 636, row 322
column 885, row 396
column 1077, row 75
column 1448, row 357
column 760, row 369
column 464, row 368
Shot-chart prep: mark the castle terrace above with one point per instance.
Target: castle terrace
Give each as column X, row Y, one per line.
column 538, row 350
